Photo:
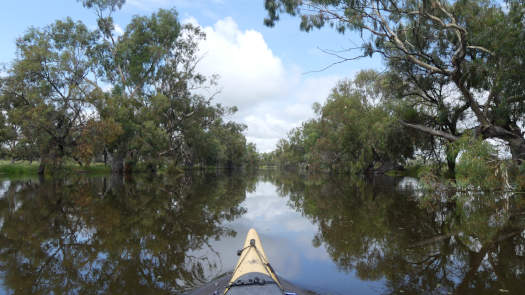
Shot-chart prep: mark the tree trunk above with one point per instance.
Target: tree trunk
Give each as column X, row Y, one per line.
column 42, row 168
column 43, row 165
column 517, row 149
column 128, row 167
column 116, row 183
column 117, row 163
column 514, row 140
column 452, row 154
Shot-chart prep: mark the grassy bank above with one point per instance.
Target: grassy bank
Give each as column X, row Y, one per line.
column 410, row 171
column 19, row 168
column 24, row 168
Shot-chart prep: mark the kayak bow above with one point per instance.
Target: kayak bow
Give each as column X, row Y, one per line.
column 253, row 274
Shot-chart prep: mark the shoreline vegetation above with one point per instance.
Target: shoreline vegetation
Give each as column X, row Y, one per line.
column 450, row 95
column 84, row 95
column 26, row 168
column 447, row 108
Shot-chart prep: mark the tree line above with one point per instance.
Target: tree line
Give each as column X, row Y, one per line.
column 136, row 98
column 453, row 79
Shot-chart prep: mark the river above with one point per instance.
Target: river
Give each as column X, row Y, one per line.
column 329, row 234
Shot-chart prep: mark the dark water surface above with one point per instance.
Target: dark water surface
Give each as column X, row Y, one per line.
column 333, row 235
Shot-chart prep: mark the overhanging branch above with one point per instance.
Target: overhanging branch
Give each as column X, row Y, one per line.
column 430, row 131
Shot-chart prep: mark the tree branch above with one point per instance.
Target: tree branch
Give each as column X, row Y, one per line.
column 430, row 131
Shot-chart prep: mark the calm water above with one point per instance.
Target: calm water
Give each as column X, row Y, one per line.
column 92, row 235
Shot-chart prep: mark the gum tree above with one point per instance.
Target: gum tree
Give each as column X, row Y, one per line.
column 47, row 90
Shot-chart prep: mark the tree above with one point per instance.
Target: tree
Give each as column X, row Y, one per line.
column 475, row 48
column 133, row 64
column 354, row 132
column 47, row 90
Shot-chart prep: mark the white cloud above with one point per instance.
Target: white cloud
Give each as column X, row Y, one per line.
column 249, row 71
column 271, row 120
column 272, row 97
column 118, row 30
column 190, row 20
column 266, row 126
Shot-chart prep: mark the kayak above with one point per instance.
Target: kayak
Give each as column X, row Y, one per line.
column 253, row 273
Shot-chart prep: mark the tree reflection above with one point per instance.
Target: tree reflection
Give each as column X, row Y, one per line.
column 102, row 235
column 420, row 244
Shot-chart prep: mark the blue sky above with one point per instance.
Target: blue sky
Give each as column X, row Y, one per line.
column 261, row 69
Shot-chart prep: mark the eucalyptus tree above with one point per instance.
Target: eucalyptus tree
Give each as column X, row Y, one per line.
column 132, row 64
column 475, row 48
column 155, row 88
column 47, row 90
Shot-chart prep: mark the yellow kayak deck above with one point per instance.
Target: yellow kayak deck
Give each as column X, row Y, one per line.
column 252, row 260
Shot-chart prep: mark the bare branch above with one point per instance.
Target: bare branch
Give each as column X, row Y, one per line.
column 342, row 59
column 393, row 36
column 430, row 131
column 481, row 48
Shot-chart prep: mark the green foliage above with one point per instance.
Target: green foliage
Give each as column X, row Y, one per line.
column 76, row 93
column 354, row 132
column 26, row 168
column 452, row 66
column 478, row 165
column 47, row 90
column 103, row 4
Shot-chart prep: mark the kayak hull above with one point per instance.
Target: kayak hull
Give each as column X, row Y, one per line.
column 217, row 286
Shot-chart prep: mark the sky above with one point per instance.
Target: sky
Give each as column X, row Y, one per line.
column 268, row 73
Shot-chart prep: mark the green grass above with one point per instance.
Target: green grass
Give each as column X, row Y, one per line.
column 94, row 168
column 20, row 168
column 411, row 170
column 24, row 168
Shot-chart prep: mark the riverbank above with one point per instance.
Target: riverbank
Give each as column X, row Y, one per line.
column 26, row 168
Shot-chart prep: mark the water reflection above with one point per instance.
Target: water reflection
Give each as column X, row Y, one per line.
column 338, row 235
column 417, row 244
column 101, row 235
